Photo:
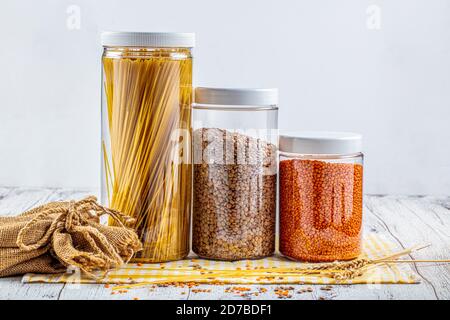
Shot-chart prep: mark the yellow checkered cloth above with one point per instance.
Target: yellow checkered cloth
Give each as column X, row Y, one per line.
column 374, row 246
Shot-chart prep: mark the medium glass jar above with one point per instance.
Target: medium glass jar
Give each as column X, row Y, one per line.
column 321, row 196
column 235, row 173
column 146, row 137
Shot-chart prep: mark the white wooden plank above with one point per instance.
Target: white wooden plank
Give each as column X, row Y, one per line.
column 67, row 194
column 406, row 220
column 381, row 292
column 373, row 224
column 14, row 201
column 14, row 289
column 437, row 219
column 218, row 292
column 338, row 292
column 412, row 223
column 100, row 292
column 19, row 200
column 4, row 191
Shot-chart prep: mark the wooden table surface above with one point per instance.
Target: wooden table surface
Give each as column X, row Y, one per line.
column 406, row 220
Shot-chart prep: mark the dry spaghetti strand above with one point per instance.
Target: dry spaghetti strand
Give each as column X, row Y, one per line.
column 148, row 102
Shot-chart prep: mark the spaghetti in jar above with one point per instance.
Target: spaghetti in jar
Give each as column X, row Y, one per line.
column 146, row 137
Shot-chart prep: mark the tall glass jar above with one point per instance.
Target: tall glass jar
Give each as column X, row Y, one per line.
column 321, row 196
column 146, row 137
column 235, row 173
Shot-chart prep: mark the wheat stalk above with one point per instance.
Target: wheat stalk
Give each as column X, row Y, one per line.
column 338, row 270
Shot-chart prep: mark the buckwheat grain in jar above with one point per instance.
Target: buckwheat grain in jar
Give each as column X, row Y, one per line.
column 321, row 196
column 235, row 173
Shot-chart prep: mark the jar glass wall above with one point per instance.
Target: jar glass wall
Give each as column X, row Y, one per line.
column 320, row 206
column 235, row 178
column 146, row 139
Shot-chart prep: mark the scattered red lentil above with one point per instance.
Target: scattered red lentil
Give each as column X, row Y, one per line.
column 320, row 210
column 200, row 290
column 283, row 292
column 245, row 291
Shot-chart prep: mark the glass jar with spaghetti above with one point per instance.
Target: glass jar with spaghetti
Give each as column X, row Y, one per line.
column 235, row 173
column 146, row 137
column 321, row 196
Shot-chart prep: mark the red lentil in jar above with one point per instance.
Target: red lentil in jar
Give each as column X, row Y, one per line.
column 321, row 197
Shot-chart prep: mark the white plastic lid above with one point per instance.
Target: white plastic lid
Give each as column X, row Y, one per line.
column 148, row 39
column 236, row 97
column 321, row 142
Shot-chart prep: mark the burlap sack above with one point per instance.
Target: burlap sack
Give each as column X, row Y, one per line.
column 49, row 238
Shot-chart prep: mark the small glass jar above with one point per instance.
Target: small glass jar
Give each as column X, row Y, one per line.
column 146, row 137
column 235, row 173
column 321, row 196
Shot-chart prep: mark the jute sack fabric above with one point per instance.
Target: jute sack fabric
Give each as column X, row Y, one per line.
column 52, row 237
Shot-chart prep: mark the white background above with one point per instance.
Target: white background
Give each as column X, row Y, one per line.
column 335, row 69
